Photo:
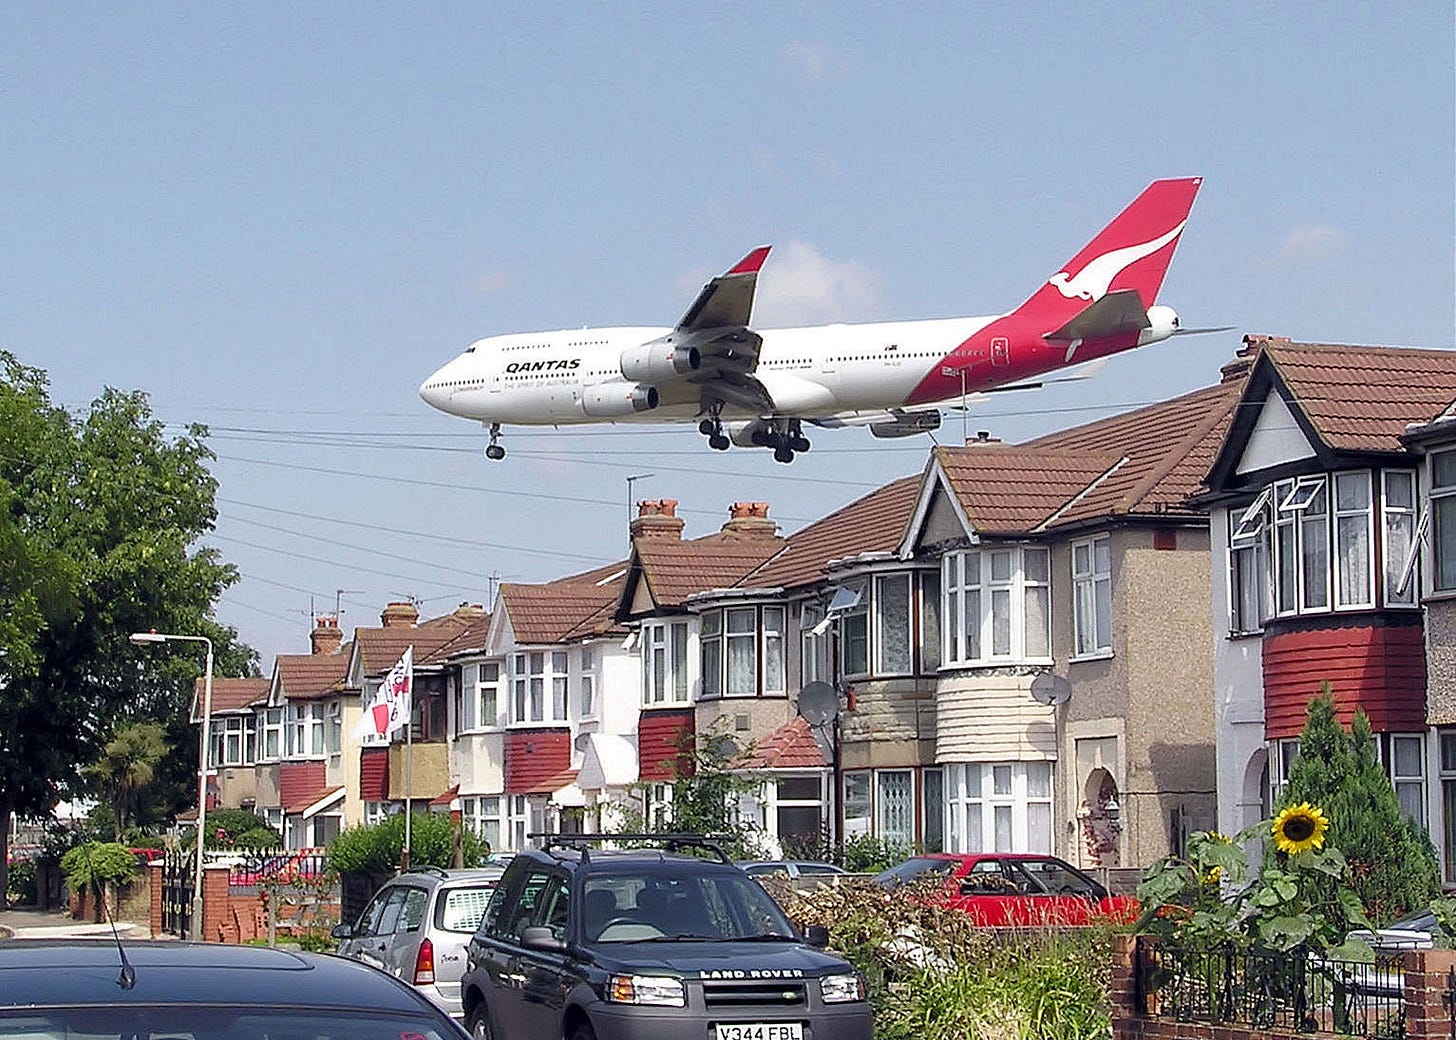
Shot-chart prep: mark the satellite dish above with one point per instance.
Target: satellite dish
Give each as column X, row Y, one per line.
column 818, row 703
column 582, row 741
column 1050, row 689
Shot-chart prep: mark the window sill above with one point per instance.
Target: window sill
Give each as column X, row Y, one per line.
column 1235, row 635
column 1100, row 655
column 995, row 662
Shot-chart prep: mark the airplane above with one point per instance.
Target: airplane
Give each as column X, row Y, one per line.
column 761, row 387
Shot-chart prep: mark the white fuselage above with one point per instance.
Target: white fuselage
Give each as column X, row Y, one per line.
column 542, row 378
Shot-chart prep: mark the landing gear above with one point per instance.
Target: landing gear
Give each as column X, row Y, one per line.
column 494, row 451
column 783, row 453
column 718, row 442
column 786, row 438
column 711, row 427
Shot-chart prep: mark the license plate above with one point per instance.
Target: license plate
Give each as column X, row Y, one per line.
column 759, row 1031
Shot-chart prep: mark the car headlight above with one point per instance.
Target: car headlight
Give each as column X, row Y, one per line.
column 657, row 990
column 841, row 989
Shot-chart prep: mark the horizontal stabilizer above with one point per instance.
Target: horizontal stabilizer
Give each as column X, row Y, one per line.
column 1116, row 314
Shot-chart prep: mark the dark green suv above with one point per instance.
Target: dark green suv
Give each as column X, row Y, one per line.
column 649, row 944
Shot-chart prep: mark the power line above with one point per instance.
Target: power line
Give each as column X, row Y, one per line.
column 335, row 563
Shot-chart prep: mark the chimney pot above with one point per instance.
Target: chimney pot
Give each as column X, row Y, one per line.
column 399, row 615
column 325, row 637
column 657, row 518
column 750, row 518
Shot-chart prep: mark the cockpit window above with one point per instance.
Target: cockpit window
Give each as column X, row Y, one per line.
column 470, row 349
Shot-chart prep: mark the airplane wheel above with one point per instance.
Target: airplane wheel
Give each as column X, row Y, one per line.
column 707, row 427
column 718, row 442
column 799, row 444
column 495, row 452
column 784, row 454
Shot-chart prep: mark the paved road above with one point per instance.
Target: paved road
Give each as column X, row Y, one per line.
column 30, row 924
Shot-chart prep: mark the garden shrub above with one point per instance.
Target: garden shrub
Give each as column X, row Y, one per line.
column 98, row 862
column 376, row 849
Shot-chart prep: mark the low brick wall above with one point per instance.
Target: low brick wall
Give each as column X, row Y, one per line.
column 1427, row 998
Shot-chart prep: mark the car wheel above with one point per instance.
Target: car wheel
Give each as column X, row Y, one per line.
column 479, row 1024
column 583, row 1031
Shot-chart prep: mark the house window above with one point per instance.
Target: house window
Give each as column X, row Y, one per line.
column 798, row 813
column 1353, row 526
column 559, row 679
column 1443, row 510
column 773, row 650
column 333, row 727
column 895, row 804
column 854, row 630
column 741, row 652
column 858, row 804
column 483, row 816
column 233, row 740
column 932, row 810
column 813, row 645
column 520, row 821
column 930, row 659
column 587, row 691
column 1398, row 526
column 272, row 735
column 304, row 731
column 1314, row 548
column 488, row 695
column 1282, row 756
column 1447, row 738
column 1249, row 550
column 997, row 605
column 466, row 704
column 710, row 648
column 1092, row 589
column 665, row 662
column 892, row 624
column 1000, row 807
column 1408, row 775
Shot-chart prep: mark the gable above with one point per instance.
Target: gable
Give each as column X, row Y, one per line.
column 1276, row 438
column 942, row 520
column 642, row 601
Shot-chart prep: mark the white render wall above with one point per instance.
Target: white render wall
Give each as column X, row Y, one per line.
column 1238, row 684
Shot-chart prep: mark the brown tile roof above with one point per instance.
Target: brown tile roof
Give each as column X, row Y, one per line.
column 1362, row 398
column 232, row 694
column 1169, row 447
column 380, row 648
column 576, row 607
column 470, row 638
column 674, row 570
column 874, row 523
column 791, row 746
column 311, row 676
column 1008, row 489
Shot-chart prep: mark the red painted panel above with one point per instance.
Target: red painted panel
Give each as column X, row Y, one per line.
column 662, row 737
column 301, row 782
column 374, row 774
column 1379, row 669
column 537, row 760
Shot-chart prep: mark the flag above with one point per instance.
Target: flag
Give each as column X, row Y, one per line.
column 390, row 709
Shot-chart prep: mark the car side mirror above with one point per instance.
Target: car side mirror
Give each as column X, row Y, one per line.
column 538, row 937
column 817, row 935
column 341, row 931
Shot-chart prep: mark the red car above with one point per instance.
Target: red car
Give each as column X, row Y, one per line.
column 1013, row 889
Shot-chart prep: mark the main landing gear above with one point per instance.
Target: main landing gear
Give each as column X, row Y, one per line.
column 494, row 451
column 712, row 428
column 785, row 437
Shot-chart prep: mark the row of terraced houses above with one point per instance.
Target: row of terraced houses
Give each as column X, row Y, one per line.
column 1193, row 572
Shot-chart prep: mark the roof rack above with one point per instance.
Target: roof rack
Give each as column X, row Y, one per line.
column 430, row 868
column 669, row 841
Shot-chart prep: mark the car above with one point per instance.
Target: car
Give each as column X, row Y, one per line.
column 1007, row 889
column 793, row 868
column 416, row 927
column 84, row 988
column 651, row 943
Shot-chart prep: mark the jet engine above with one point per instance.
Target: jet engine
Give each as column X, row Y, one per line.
column 1163, row 323
column 659, row 360
column 907, row 424
column 611, row 401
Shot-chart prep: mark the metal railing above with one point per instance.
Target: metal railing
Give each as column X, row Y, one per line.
column 1298, row 990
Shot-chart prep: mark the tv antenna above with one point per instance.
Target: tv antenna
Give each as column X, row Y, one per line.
column 818, row 704
column 1050, row 689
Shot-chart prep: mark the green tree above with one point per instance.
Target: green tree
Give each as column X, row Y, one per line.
column 100, row 514
column 1392, row 863
column 126, row 765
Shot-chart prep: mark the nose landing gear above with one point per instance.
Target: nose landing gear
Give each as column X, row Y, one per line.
column 494, row 451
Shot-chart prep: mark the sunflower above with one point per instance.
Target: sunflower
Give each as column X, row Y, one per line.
column 1215, row 874
column 1300, row 828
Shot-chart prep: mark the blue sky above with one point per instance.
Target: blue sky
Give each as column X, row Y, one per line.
column 278, row 219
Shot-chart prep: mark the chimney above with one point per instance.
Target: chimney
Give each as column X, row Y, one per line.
column 750, row 519
column 657, row 518
column 1253, row 346
column 470, row 611
column 326, row 637
column 399, row 615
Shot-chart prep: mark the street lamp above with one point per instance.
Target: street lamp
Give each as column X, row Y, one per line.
column 143, row 639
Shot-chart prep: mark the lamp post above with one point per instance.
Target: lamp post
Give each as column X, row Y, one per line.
column 143, row 639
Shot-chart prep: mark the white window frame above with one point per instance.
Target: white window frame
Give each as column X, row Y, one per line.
column 1345, row 598
column 487, row 692
column 560, row 686
column 467, row 700
column 539, row 687
column 485, row 817
column 814, row 645
column 666, row 676
column 970, row 585
column 1443, row 498
column 333, row 728
column 304, row 732
column 1087, row 600
column 1398, row 584
column 1411, row 782
column 272, row 727
column 587, row 706
column 1250, row 542
column 978, row 794
column 882, row 623
column 760, row 629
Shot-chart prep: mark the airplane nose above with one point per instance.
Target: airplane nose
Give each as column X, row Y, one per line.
column 432, row 392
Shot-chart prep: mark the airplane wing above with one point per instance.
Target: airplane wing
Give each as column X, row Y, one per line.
column 727, row 300
column 716, row 326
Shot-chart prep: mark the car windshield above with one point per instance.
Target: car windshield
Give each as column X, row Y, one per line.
column 174, row 1022
column 657, row 907
column 916, row 869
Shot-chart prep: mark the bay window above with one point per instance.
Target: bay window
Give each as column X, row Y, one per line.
column 773, row 649
column 530, row 679
column 1249, row 554
column 587, row 692
column 559, row 677
column 854, row 631
column 487, row 695
column 740, row 651
column 665, row 662
column 234, row 740
column 1353, row 541
column 1000, row 807
column 892, row 624
column 741, row 639
column 814, row 642
column 710, row 648
column 483, row 816
column 1443, row 512
column 1092, row 596
column 466, row 708
column 304, row 731
column 272, row 745
column 1398, row 528
column 997, row 604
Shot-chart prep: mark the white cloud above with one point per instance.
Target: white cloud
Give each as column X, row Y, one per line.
column 801, row 286
column 810, row 60
column 1311, row 244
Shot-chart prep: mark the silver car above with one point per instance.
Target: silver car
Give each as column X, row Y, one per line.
column 417, row 926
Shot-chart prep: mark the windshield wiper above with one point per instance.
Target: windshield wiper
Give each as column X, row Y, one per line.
column 683, row 938
column 765, row 937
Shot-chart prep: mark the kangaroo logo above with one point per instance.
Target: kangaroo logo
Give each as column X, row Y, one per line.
column 1092, row 281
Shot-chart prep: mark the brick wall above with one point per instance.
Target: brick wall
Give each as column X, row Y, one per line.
column 1428, row 1013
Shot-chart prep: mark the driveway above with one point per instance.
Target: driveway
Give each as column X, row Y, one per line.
column 30, row 924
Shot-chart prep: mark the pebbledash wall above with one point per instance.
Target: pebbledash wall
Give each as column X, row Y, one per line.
column 1427, row 995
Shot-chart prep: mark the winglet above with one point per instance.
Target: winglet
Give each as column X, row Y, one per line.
column 752, row 262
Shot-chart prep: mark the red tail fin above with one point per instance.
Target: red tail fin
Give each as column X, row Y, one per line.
column 1133, row 252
